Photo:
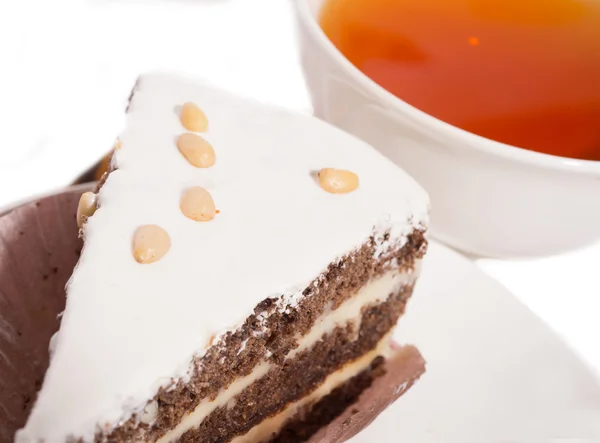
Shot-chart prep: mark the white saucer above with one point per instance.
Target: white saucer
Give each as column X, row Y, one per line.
column 495, row 372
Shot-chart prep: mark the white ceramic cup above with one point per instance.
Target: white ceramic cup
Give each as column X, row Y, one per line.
column 487, row 198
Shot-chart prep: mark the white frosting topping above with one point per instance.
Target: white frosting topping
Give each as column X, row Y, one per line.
column 130, row 328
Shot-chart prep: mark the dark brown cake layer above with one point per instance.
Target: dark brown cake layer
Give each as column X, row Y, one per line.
column 400, row 371
column 352, row 406
column 273, row 331
column 314, row 417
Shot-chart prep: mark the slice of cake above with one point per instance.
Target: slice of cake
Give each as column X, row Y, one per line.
column 242, row 272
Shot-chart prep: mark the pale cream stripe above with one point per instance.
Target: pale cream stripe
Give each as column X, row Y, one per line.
column 373, row 292
column 205, row 407
column 271, row 426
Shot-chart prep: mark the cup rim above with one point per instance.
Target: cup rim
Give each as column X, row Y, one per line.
column 474, row 141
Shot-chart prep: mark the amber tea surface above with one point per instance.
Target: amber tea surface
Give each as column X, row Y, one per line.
column 522, row 72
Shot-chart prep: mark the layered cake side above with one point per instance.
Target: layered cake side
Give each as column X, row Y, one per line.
column 242, row 271
column 285, row 357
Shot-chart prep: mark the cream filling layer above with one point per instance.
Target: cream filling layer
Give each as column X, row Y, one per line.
column 205, row 407
column 271, row 426
column 374, row 292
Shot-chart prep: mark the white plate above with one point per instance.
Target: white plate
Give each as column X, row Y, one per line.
column 495, row 373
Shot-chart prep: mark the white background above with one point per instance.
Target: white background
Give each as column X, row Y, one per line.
column 67, row 67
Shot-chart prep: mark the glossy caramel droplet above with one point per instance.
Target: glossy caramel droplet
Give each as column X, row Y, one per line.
column 192, row 118
column 338, row 181
column 86, row 207
column 196, row 150
column 150, row 244
column 197, row 203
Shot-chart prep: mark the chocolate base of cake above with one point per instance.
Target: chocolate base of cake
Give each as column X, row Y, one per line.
column 392, row 380
column 316, row 416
